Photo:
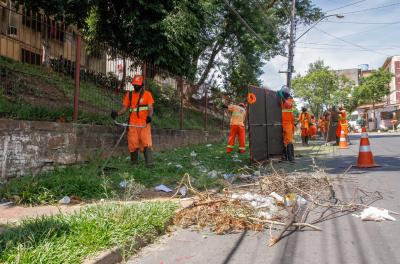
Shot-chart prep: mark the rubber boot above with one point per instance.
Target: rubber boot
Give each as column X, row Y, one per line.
column 290, row 152
column 285, row 153
column 135, row 157
column 148, row 157
column 303, row 141
column 306, row 140
column 337, row 141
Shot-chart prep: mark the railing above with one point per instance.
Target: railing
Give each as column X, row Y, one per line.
column 51, row 67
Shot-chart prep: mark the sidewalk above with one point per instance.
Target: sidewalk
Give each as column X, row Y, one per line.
column 10, row 213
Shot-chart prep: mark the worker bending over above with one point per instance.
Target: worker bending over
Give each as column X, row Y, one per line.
column 140, row 105
column 287, row 122
column 238, row 117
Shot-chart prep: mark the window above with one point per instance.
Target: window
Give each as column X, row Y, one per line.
column 30, row 57
column 55, row 31
column 32, row 20
column 12, row 31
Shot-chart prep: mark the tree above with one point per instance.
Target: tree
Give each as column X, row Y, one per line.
column 373, row 89
column 191, row 38
column 321, row 88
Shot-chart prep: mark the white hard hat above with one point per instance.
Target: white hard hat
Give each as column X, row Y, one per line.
column 285, row 89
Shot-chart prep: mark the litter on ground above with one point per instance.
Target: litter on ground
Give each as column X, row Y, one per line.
column 162, row 188
column 375, row 214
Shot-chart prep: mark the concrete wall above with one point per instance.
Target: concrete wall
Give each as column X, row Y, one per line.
column 31, row 147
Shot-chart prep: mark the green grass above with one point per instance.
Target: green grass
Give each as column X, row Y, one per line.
column 88, row 183
column 72, row 238
column 25, row 79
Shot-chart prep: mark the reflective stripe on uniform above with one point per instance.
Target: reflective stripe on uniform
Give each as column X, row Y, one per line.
column 236, row 114
column 241, row 148
column 141, row 108
column 229, row 146
column 364, row 135
column 365, row 149
column 287, row 111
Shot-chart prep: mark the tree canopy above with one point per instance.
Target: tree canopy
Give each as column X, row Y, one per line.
column 322, row 88
column 202, row 40
column 373, row 88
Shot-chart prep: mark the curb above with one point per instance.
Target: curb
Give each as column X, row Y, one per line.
column 116, row 255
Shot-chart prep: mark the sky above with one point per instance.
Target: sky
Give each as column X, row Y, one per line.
column 365, row 37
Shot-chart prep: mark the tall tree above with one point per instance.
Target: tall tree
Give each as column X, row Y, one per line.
column 373, row 89
column 322, row 88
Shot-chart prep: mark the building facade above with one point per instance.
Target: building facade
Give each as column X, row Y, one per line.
column 392, row 64
column 34, row 38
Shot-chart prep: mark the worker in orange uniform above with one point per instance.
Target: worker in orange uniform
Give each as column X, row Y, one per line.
column 312, row 131
column 321, row 126
column 140, row 105
column 238, row 118
column 287, row 123
column 342, row 125
column 304, row 120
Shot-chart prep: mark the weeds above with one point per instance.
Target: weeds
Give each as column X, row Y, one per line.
column 88, row 183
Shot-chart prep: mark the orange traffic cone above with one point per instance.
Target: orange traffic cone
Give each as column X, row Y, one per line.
column 365, row 158
column 343, row 141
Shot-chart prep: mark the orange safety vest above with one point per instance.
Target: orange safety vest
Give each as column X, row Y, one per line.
column 304, row 120
column 343, row 121
column 287, row 111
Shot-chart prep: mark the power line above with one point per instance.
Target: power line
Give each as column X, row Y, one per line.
column 368, row 9
column 341, row 7
column 351, row 43
column 342, row 48
column 338, row 45
column 362, row 23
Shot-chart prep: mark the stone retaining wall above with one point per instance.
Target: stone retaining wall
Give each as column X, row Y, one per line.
column 30, row 147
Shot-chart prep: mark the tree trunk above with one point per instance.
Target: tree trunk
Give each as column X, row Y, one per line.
column 216, row 49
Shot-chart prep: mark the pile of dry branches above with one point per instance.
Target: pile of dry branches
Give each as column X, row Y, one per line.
column 307, row 199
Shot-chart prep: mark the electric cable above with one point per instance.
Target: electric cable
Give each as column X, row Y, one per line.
column 341, row 7
column 350, row 43
column 368, row 9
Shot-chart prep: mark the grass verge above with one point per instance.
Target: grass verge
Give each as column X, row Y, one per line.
column 72, row 238
column 206, row 165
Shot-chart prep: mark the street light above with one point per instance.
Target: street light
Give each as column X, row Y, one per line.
column 292, row 41
column 323, row 18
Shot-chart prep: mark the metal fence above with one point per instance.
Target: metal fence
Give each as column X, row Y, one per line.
column 46, row 65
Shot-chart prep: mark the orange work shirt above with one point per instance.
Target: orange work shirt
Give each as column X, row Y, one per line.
column 287, row 111
column 238, row 115
column 304, row 120
column 138, row 117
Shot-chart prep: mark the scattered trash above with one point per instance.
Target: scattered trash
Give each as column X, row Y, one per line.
column 237, row 160
column 183, row 191
column 169, row 163
column 65, row 200
column 212, row 174
column 277, row 197
column 257, row 173
column 209, row 145
column 228, row 176
column 195, row 163
column 123, row 184
column 193, row 154
column 202, row 169
column 162, row 188
column 235, row 156
column 375, row 214
column 179, row 166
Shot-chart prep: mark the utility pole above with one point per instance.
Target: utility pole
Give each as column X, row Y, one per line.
column 290, row 68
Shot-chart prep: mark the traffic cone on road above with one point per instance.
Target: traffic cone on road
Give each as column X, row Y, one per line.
column 365, row 157
column 343, row 141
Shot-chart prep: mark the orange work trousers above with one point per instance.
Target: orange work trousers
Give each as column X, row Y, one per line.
column 312, row 131
column 139, row 138
column 241, row 133
column 304, row 132
column 288, row 131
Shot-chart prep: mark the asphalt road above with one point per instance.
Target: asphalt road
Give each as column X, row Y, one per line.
column 343, row 240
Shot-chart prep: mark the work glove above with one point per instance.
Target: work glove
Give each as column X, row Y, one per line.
column 114, row 114
column 148, row 119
